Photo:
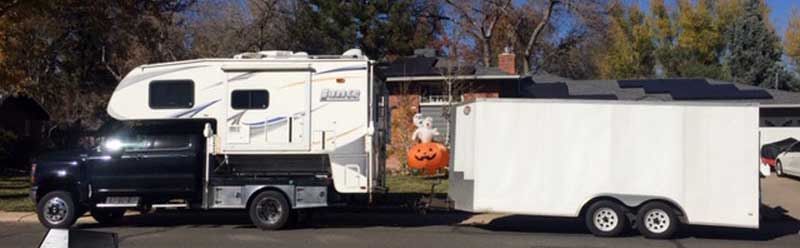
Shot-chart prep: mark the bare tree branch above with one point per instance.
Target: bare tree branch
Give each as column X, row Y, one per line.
column 8, row 6
column 537, row 32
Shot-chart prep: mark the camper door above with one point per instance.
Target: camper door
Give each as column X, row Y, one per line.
column 268, row 108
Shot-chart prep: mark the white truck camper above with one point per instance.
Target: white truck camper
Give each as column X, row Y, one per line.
column 310, row 128
column 612, row 163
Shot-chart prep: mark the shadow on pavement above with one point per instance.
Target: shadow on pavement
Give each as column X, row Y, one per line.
column 322, row 218
column 775, row 224
column 400, row 213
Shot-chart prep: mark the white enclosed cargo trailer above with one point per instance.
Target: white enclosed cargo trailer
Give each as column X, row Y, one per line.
column 615, row 164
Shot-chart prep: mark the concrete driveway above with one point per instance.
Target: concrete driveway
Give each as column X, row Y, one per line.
column 399, row 228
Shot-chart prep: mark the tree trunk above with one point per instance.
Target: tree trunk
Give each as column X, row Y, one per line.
column 536, row 33
column 487, row 52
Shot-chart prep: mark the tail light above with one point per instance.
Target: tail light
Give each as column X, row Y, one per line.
column 33, row 172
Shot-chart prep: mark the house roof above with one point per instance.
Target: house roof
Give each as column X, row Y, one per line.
column 613, row 87
column 423, row 68
column 26, row 104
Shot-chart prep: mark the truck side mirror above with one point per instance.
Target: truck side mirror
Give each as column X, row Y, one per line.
column 208, row 131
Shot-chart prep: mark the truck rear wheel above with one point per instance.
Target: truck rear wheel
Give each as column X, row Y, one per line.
column 269, row 210
column 57, row 210
column 606, row 218
column 107, row 216
column 657, row 220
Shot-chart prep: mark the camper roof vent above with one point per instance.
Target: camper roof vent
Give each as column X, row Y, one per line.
column 249, row 56
column 276, row 53
column 355, row 53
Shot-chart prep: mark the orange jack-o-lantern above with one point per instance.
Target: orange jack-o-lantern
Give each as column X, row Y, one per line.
column 428, row 157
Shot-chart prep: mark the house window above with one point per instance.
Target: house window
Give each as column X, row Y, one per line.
column 172, row 94
column 249, row 99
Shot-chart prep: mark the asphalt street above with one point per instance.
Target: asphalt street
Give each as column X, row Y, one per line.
column 349, row 227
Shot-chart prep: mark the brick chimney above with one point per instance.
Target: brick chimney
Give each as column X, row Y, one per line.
column 506, row 61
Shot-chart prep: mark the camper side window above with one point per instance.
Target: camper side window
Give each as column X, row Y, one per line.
column 172, row 94
column 249, row 99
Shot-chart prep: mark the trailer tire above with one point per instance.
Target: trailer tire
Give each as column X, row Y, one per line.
column 57, row 209
column 657, row 220
column 779, row 168
column 107, row 216
column 606, row 218
column 269, row 210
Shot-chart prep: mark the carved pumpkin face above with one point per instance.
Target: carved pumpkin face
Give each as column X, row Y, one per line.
column 428, row 157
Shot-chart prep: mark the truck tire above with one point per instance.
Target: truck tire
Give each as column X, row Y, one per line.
column 606, row 218
column 269, row 210
column 779, row 168
column 57, row 210
column 107, row 216
column 657, row 220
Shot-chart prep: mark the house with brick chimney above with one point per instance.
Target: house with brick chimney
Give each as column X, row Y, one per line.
column 428, row 84
column 422, row 84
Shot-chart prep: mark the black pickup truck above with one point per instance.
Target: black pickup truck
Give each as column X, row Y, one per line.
column 135, row 167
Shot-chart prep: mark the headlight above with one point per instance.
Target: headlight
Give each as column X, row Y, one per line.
column 113, row 145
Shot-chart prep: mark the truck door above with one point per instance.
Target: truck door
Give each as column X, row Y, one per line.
column 268, row 109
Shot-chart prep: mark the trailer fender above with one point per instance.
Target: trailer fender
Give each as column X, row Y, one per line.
column 634, row 202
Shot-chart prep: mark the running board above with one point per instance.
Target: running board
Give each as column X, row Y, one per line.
column 178, row 205
column 116, row 205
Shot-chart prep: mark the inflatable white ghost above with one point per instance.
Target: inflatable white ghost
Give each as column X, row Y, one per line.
column 425, row 130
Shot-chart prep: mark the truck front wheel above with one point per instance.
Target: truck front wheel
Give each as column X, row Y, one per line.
column 657, row 220
column 107, row 216
column 269, row 210
column 57, row 210
column 606, row 218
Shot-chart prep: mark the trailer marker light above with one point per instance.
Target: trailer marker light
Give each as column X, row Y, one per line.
column 340, row 80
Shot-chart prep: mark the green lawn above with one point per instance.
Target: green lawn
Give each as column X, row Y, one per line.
column 14, row 194
column 413, row 184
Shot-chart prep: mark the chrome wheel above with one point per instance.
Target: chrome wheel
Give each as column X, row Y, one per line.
column 605, row 219
column 55, row 210
column 657, row 221
column 269, row 210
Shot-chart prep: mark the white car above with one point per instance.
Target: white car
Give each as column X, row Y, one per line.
column 788, row 162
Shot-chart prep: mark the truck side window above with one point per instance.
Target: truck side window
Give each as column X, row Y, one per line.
column 249, row 99
column 171, row 142
column 171, row 94
column 136, row 143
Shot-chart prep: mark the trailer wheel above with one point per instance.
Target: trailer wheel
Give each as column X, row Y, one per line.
column 57, row 210
column 606, row 218
column 779, row 169
column 269, row 210
column 107, row 216
column 656, row 220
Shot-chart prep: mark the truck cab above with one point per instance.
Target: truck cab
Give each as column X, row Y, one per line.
column 134, row 167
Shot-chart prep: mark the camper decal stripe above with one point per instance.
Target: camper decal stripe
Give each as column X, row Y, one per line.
column 275, row 120
column 128, row 81
column 242, row 77
column 194, row 110
column 347, row 68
